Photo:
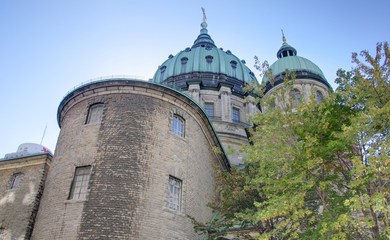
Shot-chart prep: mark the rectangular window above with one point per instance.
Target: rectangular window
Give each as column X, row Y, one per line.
column 174, row 193
column 80, row 183
column 178, row 125
column 236, row 115
column 209, row 108
column 95, row 113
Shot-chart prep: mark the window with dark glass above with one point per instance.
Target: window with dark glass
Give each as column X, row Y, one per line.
column 233, row 64
column 183, row 65
column 236, row 115
column 319, row 96
column 174, row 193
column 80, row 182
column 95, row 113
column 178, row 125
column 15, row 180
column 296, row 97
column 209, row 108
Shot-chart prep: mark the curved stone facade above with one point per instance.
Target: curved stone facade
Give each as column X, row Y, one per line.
column 132, row 153
column 306, row 87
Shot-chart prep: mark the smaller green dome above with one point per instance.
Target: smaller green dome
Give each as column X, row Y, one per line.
column 288, row 60
column 295, row 63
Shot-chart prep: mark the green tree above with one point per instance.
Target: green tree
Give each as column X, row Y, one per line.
column 318, row 171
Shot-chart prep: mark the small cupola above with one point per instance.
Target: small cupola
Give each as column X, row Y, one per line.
column 286, row 50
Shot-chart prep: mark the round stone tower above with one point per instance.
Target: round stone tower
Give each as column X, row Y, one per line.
column 309, row 78
column 215, row 79
column 133, row 160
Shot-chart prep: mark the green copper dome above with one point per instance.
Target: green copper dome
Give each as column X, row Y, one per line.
column 204, row 57
column 288, row 60
column 296, row 63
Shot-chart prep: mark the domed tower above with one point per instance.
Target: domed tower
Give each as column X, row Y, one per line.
column 215, row 78
column 309, row 78
column 132, row 161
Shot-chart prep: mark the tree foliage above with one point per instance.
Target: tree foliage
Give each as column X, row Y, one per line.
column 319, row 170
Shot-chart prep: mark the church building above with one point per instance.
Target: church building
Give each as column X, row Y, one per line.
column 135, row 158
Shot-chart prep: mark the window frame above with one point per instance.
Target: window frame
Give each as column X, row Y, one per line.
column 236, row 116
column 82, row 190
column 208, row 110
column 178, row 125
column 319, row 96
column 15, row 180
column 209, row 60
column 95, row 109
column 296, row 97
column 233, row 64
column 175, row 189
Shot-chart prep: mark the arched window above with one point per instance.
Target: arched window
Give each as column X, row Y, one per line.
column 178, row 125
column 319, row 96
column 95, row 113
column 15, row 180
column 183, row 65
column 296, row 97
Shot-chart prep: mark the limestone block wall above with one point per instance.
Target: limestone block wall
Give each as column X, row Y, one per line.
column 132, row 152
column 307, row 88
column 232, row 134
column 19, row 206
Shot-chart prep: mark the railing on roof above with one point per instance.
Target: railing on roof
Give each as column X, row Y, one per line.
column 105, row 78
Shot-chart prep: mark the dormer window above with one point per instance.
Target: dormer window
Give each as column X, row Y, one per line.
column 162, row 71
column 183, row 65
column 252, row 75
column 234, row 68
column 209, row 60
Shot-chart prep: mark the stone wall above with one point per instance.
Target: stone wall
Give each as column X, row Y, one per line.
column 18, row 206
column 132, row 153
column 307, row 88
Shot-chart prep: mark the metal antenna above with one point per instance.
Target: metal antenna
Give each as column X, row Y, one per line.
column 44, row 131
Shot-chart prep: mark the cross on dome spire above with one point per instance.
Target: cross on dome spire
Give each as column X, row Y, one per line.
column 283, row 38
column 204, row 23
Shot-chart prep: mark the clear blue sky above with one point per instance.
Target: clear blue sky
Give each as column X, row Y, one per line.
column 48, row 47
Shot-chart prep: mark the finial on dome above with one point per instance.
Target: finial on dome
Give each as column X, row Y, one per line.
column 283, row 38
column 204, row 24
